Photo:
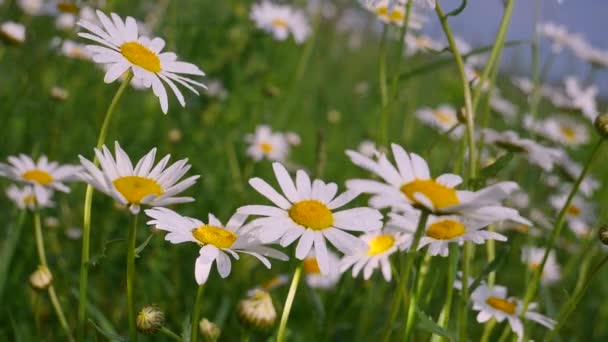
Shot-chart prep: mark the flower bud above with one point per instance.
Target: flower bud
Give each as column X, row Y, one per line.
column 209, row 330
column 601, row 125
column 174, row 135
column 257, row 311
column 150, row 320
column 603, row 235
column 41, row 279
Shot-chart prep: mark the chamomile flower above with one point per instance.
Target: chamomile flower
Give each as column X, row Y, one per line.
column 502, row 106
column 440, row 231
column 561, row 129
column 29, row 197
column 72, row 49
column 306, row 212
column 582, row 98
column 121, row 46
column 443, row 118
column 380, row 246
column 533, row 257
column 558, row 34
column 12, row 32
column 265, row 143
column 492, row 302
column 580, row 215
column 537, row 154
column 142, row 184
column 41, row 173
column 409, row 184
column 393, row 12
column 572, row 170
column 31, row 7
column 281, row 21
column 317, row 280
column 416, row 43
column 217, row 241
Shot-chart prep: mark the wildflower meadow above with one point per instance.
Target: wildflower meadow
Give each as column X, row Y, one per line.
column 307, row 170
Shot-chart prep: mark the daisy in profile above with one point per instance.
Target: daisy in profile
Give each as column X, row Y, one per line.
column 41, row 173
column 560, row 129
column 417, row 43
column 265, row 143
column 368, row 148
column 537, row 154
column 143, row 184
column 217, row 241
column 502, row 106
column 123, row 49
column 572, row 170
column 71, row 49
column 317, row 280
column 583, row 99
column 444, row 118
column 13, row 33
column 380, row 246
column 393, row 12
column 281, row 21
column 580, row 215
column 29, row 197
column 307, row 211
column 492, row 302
column 440, row 231
column 558, row 34
column 409, row 184
column 533, row 257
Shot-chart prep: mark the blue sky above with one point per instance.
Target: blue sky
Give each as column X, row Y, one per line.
column 480, row 20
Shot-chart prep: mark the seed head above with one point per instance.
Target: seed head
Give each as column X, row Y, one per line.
column 209, row 330
column 150, row 320
column 41, row 279
column 257, row 311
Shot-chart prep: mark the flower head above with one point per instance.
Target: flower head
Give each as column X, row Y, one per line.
column 444, row 118
column 306, row 212
column 317, row 280
column 123, row 49
column 217, row 241
column 560, row 129
column 533, row 257
column 580, row 214
column 12, row 32
column 41, row 173
column 30, row 197
column 142, row 184
column 280, row 21
column 265, row 143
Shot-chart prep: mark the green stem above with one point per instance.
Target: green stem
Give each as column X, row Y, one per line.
column 487, row 330
column 8, row 249
column 531, row 291
column 491, row 255
column 444, row 317
column 536, row 73
column 505, row 333
column 86, row 226
column 468, row 103
column 42, row 259
column 131, row 277
column 170, row 334
column 288, row 303
column 382, row 83
column 421, row 274
column 196, row 313
column 466, row 264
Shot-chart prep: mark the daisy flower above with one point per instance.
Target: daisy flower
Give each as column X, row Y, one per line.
column 142, row 184
column 380, row 246
column 492, row 302
column 31, row 7
column 393, row 12
column 29, row 197
column 280, row 21
column 124, row 49
column 12, row 32
column 317, row 280
column 217, row 241
column 443, row 118
column 502, row 106
column 537, row 154
column 416, row 43
column 533, row 256
column 71, row 49
column 368, row 148
column 440, row 231
column 306, row 212
column 42, row 173
column 560, row 129
column 580, row 215
column 557, row 33
column 583, row 99
column 265, row 143
column 409, row 184
column 572, row 170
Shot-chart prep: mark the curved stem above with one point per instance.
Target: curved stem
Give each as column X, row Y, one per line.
column 466, row 264
column 196, row 312
column 561, row 218
column 131, row 277
column 444, row 317
column 86, row 226
column 289, row 302
column 468, row 103
column 42, row 259
column 170, row 334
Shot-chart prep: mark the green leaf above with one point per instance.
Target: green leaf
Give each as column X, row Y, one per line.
column 95, row 260
column 495, row 264
column 493, row 169
column 96, row 314
column 426, row 323
column 141, row 247
column 186, row 329
column 110, row 336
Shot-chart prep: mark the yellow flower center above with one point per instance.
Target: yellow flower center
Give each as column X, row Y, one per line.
column 38, row 176
column 569, row 133
column 311, row 266
column 501, row 304
column 67, row 7
column 574, row 210
column 280, row 23
column 29, row 200
column 380, row 244
column 135, row 188
column 444, row 117
column 266, row 147
column 217, row 236
column 440, row 195
column 395, row 16
column 445, row 230
column 311, row 214
column 141, row 56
